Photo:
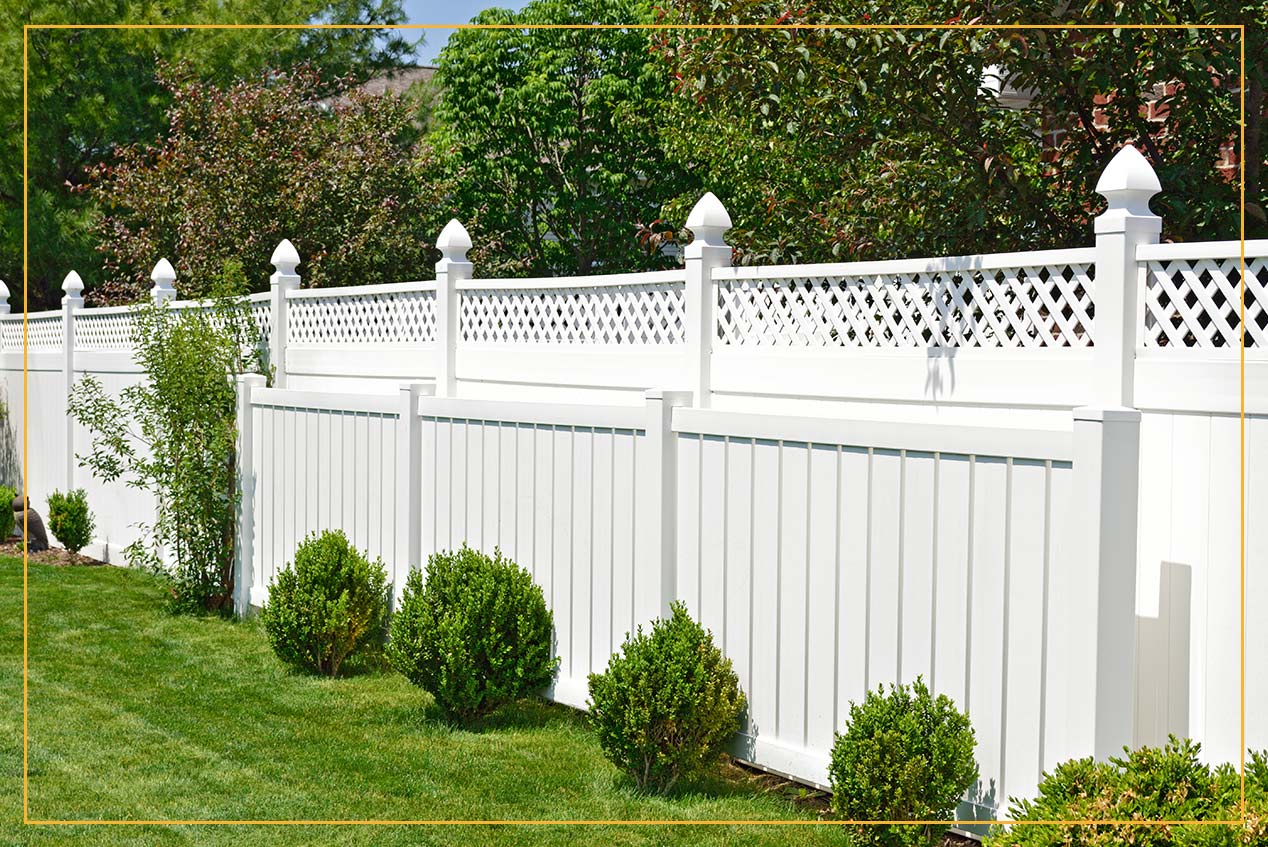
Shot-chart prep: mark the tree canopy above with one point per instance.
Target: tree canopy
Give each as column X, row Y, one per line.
column 558, row 138
column 94, row 91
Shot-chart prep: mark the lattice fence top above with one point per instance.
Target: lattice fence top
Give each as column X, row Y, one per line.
column 262, row 317
column 1031, row 305
column 103, row 329
column 382, row 317
column 44, row 332
column 622, row 313
column 1195, row 302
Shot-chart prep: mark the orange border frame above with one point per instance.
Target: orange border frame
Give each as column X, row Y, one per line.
column 1241, row 29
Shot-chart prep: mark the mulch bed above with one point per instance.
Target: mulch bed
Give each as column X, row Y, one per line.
column 51, row 556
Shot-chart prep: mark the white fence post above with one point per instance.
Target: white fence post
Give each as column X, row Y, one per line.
column 4, row 298
column 1127, row 183
column 285, row 259
column 1107, row 450
column 409, row 484
column 244, row 549
column 164, row 276
column 453, row 244
column 708, row 221
column 72, row 302
column 661, row 533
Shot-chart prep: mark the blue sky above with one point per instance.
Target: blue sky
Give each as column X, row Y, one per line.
column 446, row 12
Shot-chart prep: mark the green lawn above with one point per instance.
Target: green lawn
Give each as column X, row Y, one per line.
column 136, row 714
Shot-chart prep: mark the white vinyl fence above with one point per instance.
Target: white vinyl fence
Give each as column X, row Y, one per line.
column 1015, row 475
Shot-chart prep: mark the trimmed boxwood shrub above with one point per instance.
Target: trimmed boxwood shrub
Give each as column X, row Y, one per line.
column 904, row 756
column 69, row 519
column 475, row 632
column 331, row 603
column 667, row 703
column 8, row 519
column 1149, row 783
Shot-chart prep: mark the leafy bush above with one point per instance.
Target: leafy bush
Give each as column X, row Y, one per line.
column 667, row 703
column 331, row 603
column 173, row 435
column 906, row 755
column 70, row 520
column 7, row 516
column 475, row 632
column 1149, row 783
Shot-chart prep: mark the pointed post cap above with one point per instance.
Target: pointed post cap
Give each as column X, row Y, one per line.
column 454, row 241
column 164, row 276
column 72, row 285
column 708, row 220
column 285, row 257
column 1128, row 182
column 4, row 298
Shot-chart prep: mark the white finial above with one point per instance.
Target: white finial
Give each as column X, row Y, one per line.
column 454, row 241
column 4, row 298
column 164, row 275
column 73, row 286
column 285, row 258
column 1128, row 182
column 708, row 220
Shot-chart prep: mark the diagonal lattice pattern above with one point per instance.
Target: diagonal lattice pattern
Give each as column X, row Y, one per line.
column 399, row 317
column 651, row 313
column 43, row 333
column 1196, row 303
column 1039, row 306
column 109, row 331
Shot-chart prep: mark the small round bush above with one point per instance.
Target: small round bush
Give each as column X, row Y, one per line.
column 1147, row 784
column 905, row 755
column 8, row 518
column 70, row 520
column 475, row 632
column 333, row 602
column 667, row 703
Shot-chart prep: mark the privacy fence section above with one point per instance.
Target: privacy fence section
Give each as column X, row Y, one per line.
column 1016, row 475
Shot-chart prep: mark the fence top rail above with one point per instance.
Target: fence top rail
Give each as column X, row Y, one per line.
column 985, row 262
column 1255, row 249
column 361, row 290
column 16, row 317
column 993, row 442
column 596, row 281
column 327, row 401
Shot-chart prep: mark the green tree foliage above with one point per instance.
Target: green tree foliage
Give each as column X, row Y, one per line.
column 838, row 143
column 558, row 140
column 91, row 91
column 173, row 435
column 1170, row 783
column 349, row 184
column 332, row 602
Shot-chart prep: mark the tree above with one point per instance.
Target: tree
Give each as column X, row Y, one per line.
column 836, row 143
column 91, row 91
column 558, row 136
column 349, row 184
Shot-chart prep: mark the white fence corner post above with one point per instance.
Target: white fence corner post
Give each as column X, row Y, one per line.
column 708, row 250
column 164, row 276
column 72, row 302
column 409, row 485
column 661, row 533
column 244, row 548
column 1127, row 183
column 284, row 279
column 4, row 298
column 1107, row 449
column 453, row 244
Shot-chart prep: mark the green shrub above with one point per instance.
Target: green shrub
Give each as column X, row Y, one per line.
column 475, row 632
column 906, row 755
column 70, row 520
column 331, row 603
column 7, row 516
column 667, row 703
column 1149, row 783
